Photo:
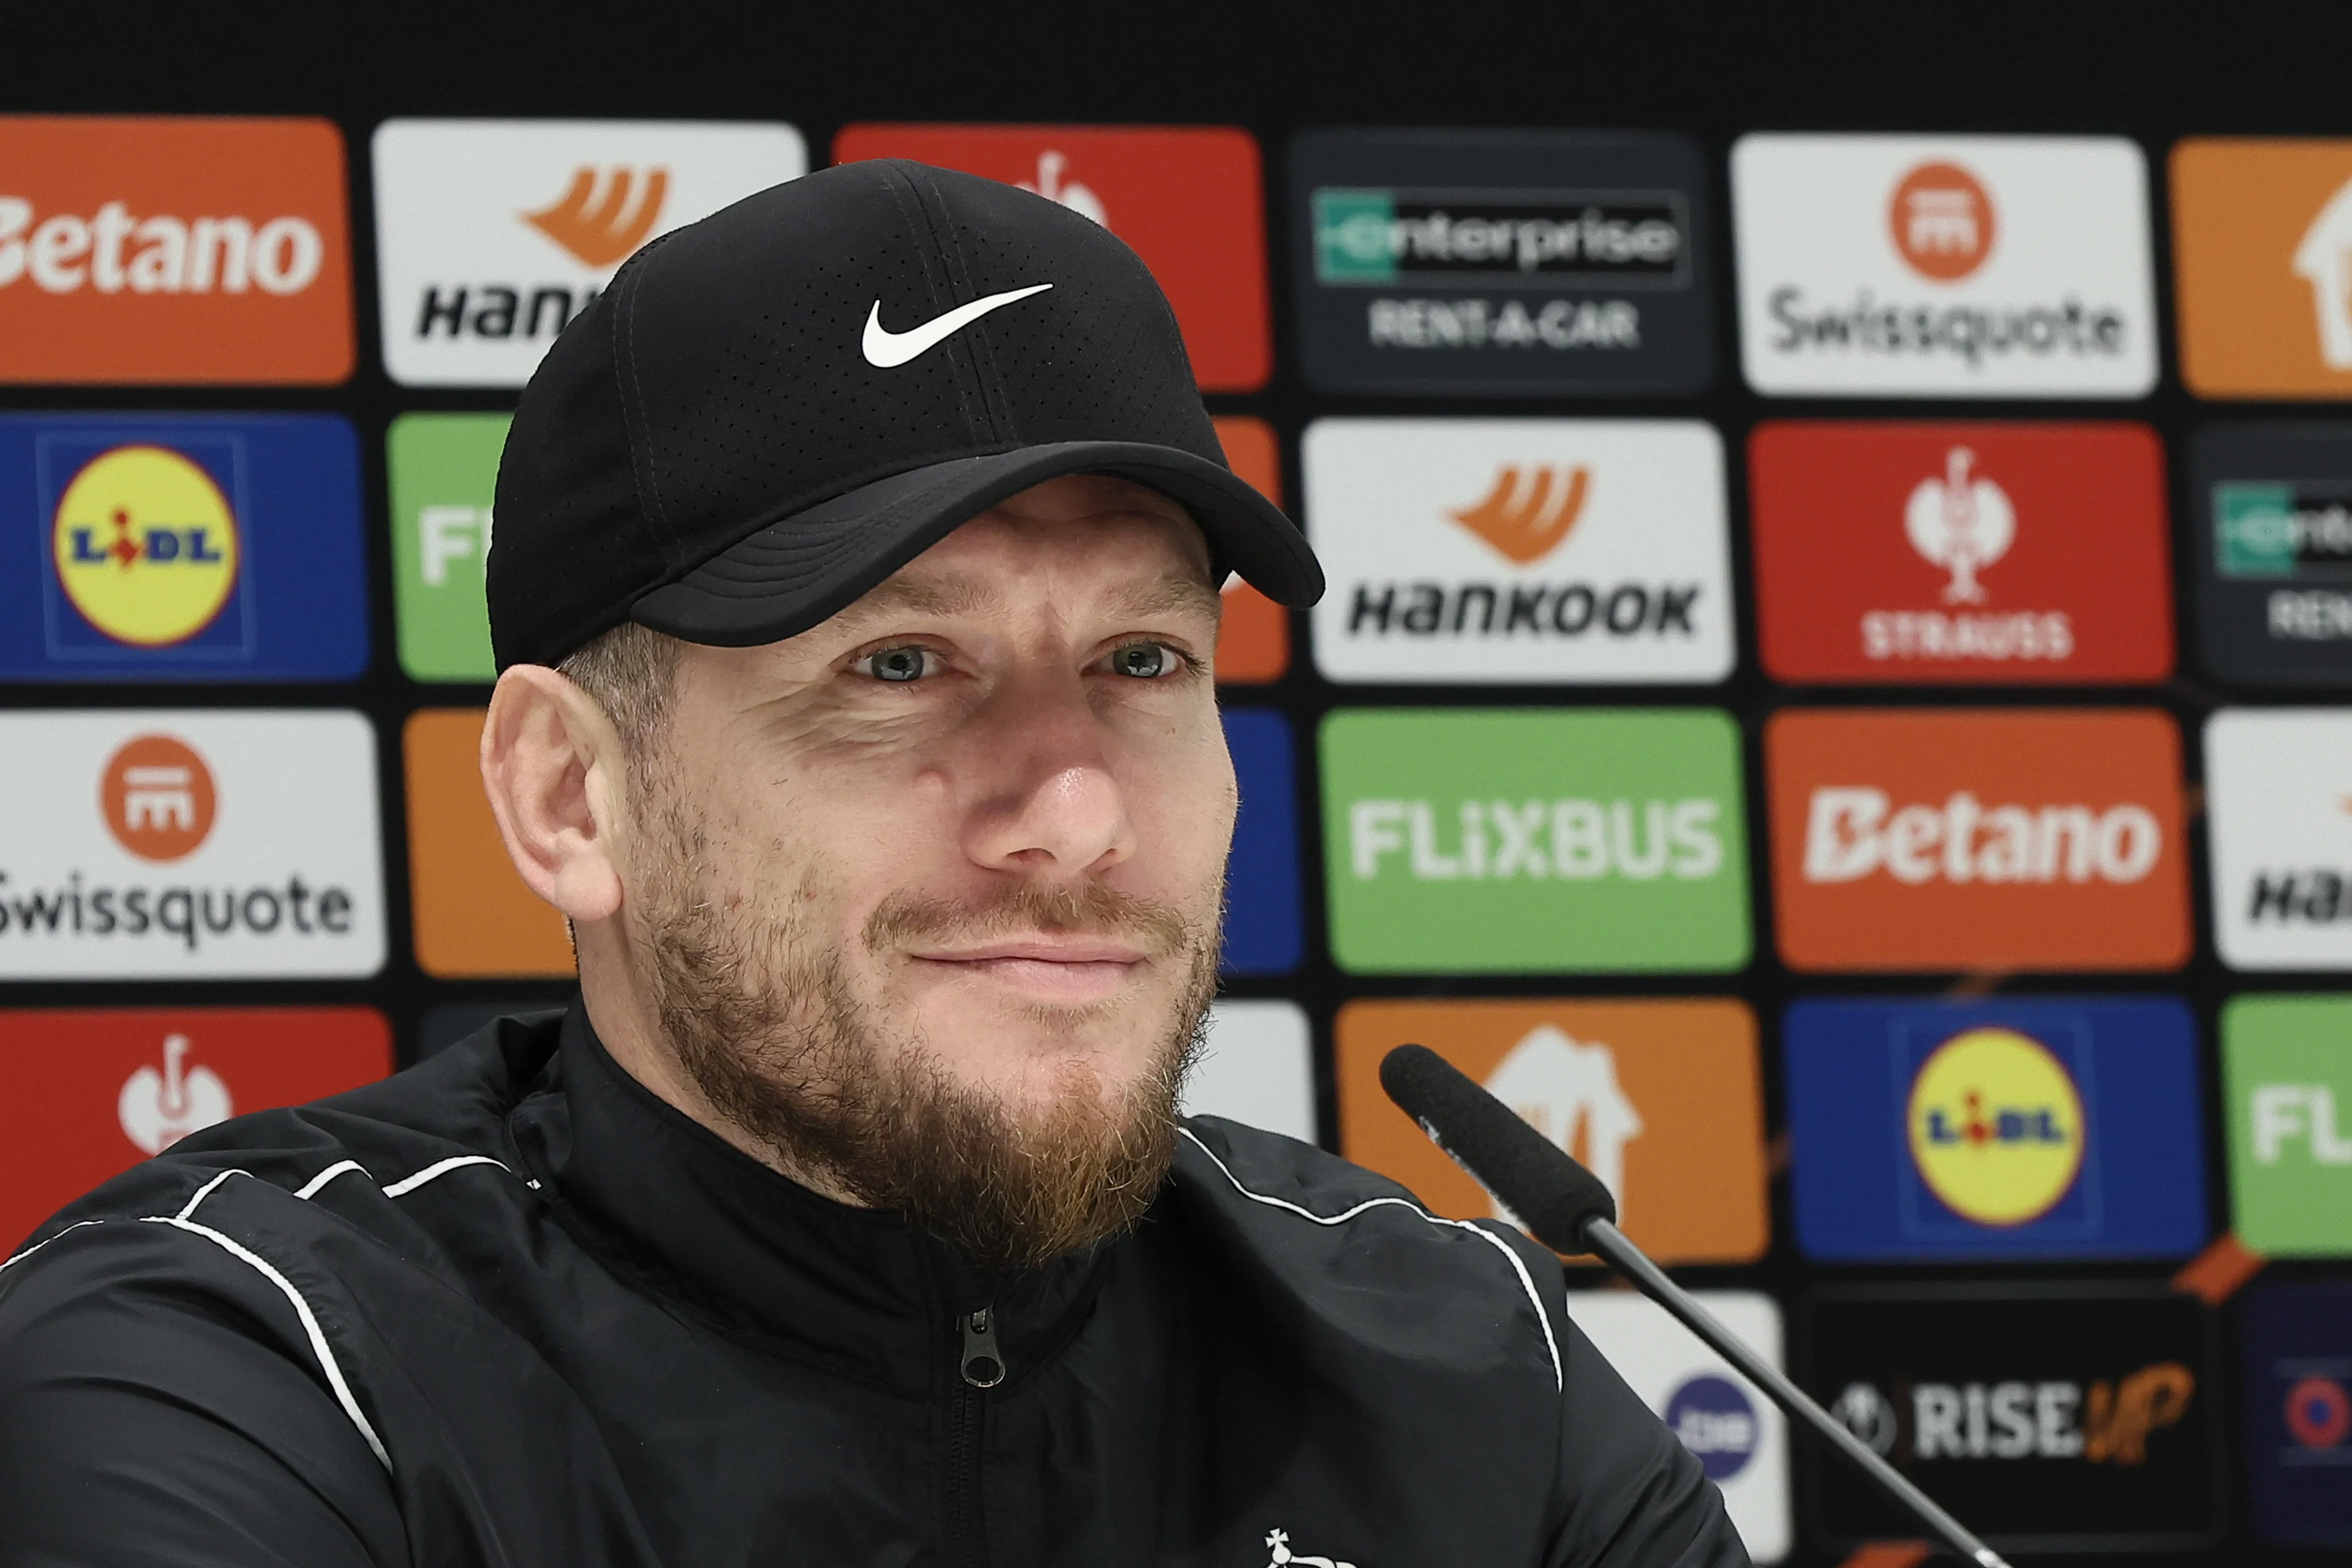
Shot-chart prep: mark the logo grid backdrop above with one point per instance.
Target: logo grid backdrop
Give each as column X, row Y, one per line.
column 1291, row 685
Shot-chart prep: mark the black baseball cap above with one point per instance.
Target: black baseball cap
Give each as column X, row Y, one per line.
column 770, row 411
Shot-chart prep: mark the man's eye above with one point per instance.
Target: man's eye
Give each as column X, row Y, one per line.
column 898, row 666
column 1144, row 660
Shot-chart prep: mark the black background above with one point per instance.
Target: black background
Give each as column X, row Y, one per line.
column 2152, row 72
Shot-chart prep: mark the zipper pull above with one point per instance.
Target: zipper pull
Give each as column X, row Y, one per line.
column 982, row 1366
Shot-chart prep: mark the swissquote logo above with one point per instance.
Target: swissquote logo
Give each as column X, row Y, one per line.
column 177, row 250
column 189, row 843
column 1188, row 199
column 1961, row 553
column 1957, row 265
column 1614, row 1084
column 2278, row 789
column 1737, row 1435
column 1521, row 550
column 1932, row 840
column 492, row 234
column 87, row 1093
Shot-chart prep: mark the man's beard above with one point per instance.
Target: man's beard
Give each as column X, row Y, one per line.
column 769, row 1029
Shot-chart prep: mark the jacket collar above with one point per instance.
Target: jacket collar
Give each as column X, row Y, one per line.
column 765, row 1259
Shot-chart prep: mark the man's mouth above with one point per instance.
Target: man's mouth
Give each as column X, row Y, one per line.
column 1068, row 968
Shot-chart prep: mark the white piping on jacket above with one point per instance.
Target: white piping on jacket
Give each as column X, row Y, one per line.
column 1526, row 1281
column 309, row 1320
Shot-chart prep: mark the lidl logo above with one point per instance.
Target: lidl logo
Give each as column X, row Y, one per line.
column 1949, row 553
column 2286, row 1068
column 1996, row 1126
column 1520, row 550
column 1533, row 840
column 1443, row 261
column 1190, row 200
column 2263, row 240
column 146, row 545
column 189, row 547
column 2297, row 1376
column 1944, row 265
column 189, row 844
column 2272, row 562
column 1660, row 1099
column 172, row 250
column 2035, row 1128
column 2278, row 791
column 1960, row 839
column 1736, row 1435
column 493, row 235
column 87, row 1093
column 159, row 798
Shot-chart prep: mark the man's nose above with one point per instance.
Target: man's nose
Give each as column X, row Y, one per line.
column 1042, row 793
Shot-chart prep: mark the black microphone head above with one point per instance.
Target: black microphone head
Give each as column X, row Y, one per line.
column 1554, row 1196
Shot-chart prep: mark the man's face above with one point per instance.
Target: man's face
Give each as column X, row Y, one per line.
column 929, row 895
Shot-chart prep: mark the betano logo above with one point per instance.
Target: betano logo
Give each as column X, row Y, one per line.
column 1942, row 220
column 1995, row 1125
column 1528, row 513
column 114, row 248
column 159, row 798
column 146, row 545
column 604, row 216
column 1851, row 832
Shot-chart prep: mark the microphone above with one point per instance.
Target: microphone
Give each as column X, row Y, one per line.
column 1567, row 1208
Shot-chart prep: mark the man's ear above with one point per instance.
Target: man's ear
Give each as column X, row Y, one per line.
column 552, row 767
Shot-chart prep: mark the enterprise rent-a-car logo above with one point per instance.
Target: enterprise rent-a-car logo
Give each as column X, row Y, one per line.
column 1945, row 267
column 160, row 844
column 1551, row 261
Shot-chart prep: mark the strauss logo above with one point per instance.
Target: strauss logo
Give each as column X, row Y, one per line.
column 1960, row 524
column 159, row 1109
column 1080, row 199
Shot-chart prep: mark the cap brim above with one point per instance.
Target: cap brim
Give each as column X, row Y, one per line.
column 796, row 571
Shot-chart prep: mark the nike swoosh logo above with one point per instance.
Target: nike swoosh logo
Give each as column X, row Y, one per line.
column 886, row 349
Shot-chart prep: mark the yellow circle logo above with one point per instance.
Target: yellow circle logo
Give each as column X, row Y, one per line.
column 1996, row 1126
column 146, row 545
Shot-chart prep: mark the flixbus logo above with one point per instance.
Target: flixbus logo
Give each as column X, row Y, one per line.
column 492, row 235
column 2286, row 1071
column 1931, row 840
column 1534, row 840
column 177, row 250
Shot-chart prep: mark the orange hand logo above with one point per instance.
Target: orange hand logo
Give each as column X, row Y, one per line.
column 1527, row 519
column 603, row 228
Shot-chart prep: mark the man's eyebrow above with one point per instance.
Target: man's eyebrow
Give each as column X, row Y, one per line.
column 949, row 597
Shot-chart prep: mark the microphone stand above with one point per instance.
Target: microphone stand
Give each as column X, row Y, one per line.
column 1608, row 1244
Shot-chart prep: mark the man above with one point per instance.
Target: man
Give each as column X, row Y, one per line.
column 855, row 598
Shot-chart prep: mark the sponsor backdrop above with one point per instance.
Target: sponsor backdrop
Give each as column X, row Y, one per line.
column 1831, row 700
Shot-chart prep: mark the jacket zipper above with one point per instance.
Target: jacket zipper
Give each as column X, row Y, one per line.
column 983, row 1368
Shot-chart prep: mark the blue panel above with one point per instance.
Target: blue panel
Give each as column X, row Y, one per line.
column 2298, row 1382
column 1264, row 928
column 292, row 604
column 1862, row 1194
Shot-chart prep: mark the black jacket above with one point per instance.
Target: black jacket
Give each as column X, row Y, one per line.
column 509, row 1308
